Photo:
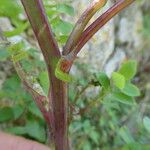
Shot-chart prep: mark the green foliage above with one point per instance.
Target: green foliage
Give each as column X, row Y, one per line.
column 103, row 80
column 12, row 10
column 146, row 29
column 6, row 114
column 131, row 90
column 103, row 124
column 118, row 80
column 146, row 122
column 3, row 54
column 100, row 126
column 128, row 69
column 61, row 27
column 32, row 129
column 126, row 135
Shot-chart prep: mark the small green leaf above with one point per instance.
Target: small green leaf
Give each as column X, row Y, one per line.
column 146, row 122
column 20, row 56
column 62, row 39
column 15, row 48
column 128, row 69
column 131, row 90
column 118, row 80
column 121, row 97
column 62, row 75
column 6, row 114
column 17, row 30
column 103, row 80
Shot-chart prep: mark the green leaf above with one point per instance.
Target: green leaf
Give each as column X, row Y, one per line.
column 35, row 130
column 17, row 111
column 35, row 110
column 86, row 145
column 20, row 56
column 12, row 89
column 4, row 54
column 134, row 146
column 103, row 80
column 6, row 114
column 121, row 97
column 62, row 39
column 131, row 90
column 44, row 81
column 17, row 30
column 64, row 8
column 15, row 48
column 118, row 80
column 146, row 122
column 125, row 135
column 9, row 8
column 94, row 136
column 17, row 130
column 60, row 26
column 128, row 69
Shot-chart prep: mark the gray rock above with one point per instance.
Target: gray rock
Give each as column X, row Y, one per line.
column 115, row 61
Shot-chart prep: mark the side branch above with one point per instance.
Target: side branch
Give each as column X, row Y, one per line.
column 38, row 98
column 81, row 24
column 91, row 30
column 100, row 22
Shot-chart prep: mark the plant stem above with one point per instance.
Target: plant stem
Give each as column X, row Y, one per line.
column 100, row 22
column 58, row 101
column 81, row 24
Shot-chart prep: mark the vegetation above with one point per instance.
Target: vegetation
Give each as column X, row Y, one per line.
column 99, row 121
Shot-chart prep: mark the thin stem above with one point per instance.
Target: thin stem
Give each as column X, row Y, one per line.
column 81, row 24
column 39, row 22
column 92, row 29
column 58, row 101
column 38, row 98
column 100, row 22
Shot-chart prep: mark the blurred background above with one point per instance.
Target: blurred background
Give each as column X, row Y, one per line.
column 105, row 125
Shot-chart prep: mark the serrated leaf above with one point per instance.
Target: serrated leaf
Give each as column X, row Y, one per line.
column 15, row 48
column 118, row 80
column 121, row 97
column 131, row 90
column 103, row 80
column 35, row 130
column 6, row 114
column 20, row 56
column 146, row 122
column 128, row 69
